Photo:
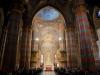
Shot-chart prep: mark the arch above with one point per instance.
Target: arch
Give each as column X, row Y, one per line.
column 54, row 7
column 51, row 31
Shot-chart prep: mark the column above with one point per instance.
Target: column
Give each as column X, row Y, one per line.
column 26, row 40
column 23, row 45
column 71, row 47
column 28, row 47
column 12, row 39
column 25, row 49
column 84, row 35
column 1, row 20
column 94, row 44
column 2, row 45
column 2, row 33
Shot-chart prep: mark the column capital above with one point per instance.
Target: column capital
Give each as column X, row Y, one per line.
column 27, row 26
column 79, row 6
column 77, row 3
column 16, row 7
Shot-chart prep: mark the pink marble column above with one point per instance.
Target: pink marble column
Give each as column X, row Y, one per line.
column 84, row 35
column 2, row 45
column 25, row 48
column 23, row 45
column 28, row 47
column 71, row 47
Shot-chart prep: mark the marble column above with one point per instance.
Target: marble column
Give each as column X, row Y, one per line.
column 2, row 45
column 2, row 29
column 12, row 40
column 26, row 40
column 94, row 44
column 28, row 47
column 1, row 20
column 23, row 45
column 84, row 35
column 71, row 47
column 25, row 48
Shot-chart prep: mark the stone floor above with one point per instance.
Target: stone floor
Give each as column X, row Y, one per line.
column 48, row 73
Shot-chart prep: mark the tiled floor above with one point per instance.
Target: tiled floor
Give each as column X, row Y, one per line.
column 48, row 73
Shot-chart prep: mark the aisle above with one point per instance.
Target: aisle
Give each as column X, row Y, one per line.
column 48, row 73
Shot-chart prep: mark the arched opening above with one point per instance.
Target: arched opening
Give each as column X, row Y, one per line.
column 48, row 39
column 52, row 45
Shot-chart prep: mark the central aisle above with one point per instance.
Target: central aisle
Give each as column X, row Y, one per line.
column 48, row 73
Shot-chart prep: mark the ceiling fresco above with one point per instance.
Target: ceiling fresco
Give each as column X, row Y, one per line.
column 48, row 27
column 48, row 14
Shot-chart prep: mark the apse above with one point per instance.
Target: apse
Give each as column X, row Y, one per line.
column 48, row 26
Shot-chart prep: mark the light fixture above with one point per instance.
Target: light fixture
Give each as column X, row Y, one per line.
column 98, row 14
column 37, row 39
column 60, row 38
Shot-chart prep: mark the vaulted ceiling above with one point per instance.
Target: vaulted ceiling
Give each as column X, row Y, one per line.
column 7, row 3
column 92, row 2
column 32, row 6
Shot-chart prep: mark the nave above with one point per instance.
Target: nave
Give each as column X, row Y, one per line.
column 57, row 71
column 49, row 37
column 48, row 73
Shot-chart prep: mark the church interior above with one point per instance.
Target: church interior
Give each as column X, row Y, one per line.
column 49, row 37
